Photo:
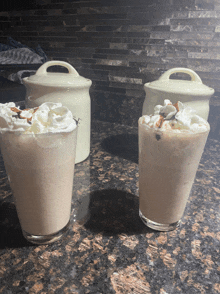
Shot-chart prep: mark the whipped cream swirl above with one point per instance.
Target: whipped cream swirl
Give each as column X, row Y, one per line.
column 48, row 117
column 176, row 117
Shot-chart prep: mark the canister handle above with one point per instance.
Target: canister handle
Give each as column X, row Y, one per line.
column 43, row 69
column 193, row 75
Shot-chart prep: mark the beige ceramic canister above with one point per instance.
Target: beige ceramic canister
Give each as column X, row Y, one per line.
column 191, row 92
column 72, row 90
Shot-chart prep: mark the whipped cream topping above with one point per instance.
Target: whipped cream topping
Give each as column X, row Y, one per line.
column 48, row 117
column 176, row 117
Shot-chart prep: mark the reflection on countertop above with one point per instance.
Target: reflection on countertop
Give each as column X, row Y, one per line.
column 108, row 249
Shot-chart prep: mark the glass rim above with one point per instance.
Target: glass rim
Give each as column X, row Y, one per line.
column 175, row 131
column 20, row 133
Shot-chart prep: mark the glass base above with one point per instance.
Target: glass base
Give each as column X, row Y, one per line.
column 157, row 226
column 40, row 240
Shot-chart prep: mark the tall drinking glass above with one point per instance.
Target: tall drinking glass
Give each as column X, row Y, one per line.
column 168, row 162
column 40, row 169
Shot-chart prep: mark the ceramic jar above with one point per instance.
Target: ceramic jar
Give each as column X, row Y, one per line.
column 191, row 92
column 72, row 90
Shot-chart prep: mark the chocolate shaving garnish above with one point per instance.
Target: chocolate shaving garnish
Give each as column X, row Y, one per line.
column 29, row 120
column 159, row 123
column 176, row 106
column 15, row 109
column 158, row 137
column 18, row 113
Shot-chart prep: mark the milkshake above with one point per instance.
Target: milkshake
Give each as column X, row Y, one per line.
column 38, row 147
column 171, row 143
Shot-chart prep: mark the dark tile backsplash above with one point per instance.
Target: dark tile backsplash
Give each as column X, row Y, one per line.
column 122, row 44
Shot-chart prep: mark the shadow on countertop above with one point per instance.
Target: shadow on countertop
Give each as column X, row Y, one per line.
column 10, row 230
column 113, row 212
column 123, row 145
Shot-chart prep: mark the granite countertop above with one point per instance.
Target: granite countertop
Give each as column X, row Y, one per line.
column 108, row 249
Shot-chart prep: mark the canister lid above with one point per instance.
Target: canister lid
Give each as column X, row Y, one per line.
column 54, row 79
column 188, row 87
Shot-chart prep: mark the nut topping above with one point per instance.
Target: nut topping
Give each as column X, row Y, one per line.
column 19, row 111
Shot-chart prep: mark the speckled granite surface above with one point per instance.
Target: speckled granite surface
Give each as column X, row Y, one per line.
column 108, row 249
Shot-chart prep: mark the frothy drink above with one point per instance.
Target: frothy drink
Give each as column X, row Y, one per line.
column 38, row 147
column 171, row 143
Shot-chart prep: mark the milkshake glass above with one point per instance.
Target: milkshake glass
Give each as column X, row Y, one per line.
column 40, row 166
column 171, row 143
